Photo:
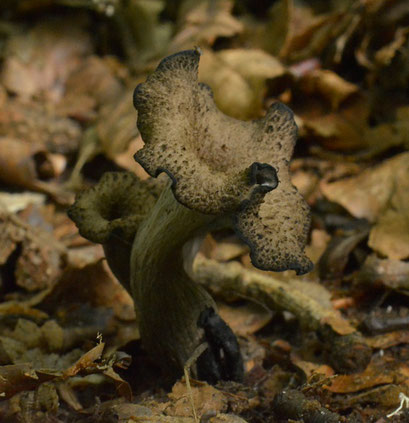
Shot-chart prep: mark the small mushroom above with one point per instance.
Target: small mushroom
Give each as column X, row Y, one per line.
column 222, row 172
column 110, row 213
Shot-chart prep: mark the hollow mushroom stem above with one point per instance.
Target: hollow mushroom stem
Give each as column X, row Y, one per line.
column 174, row 310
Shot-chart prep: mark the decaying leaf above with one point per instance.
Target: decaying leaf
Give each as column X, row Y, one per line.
column 388, row 340
column 128, row 412
column 19, row 377
column 379, row 194
column 329, row 85
column 33, row 123
column 15, row 378
column 40, row 63
column 343, row 66
column 245, row 320
column 206, row 398
column 116, row 125
column 391, row 273
column 123, row 388
column 95, row 286
column 311, row 369
column 238, row 79
column 144, row 35
column 296, row 33
column 204, row 22
column 24, row 164
column 334, row 260
column 95, row 94
column 19, row 201
column 374, row 375
column 39, row 258
column 224, row 250
column 342, row 130
column 90, row 86
column 85, row 361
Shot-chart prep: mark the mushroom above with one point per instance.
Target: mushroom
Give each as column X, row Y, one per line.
column 222, row 172
column 219, row 165
column 221, row 169
column 110, row 213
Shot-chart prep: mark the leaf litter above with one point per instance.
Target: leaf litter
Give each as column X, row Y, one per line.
column 66, row 116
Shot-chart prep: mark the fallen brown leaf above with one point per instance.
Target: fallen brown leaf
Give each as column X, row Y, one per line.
column 391, row 273
column 329, row 85
column 388, row 340
column 205, row 397
column 204, row 22
column 379, row 194
column 19, row 377
column 40, row 259
column 86, row 361
column 40, row 63
column 238, row 79
column 374, row 375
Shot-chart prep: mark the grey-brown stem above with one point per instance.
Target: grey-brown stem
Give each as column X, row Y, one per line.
column 117, row 252
column 169, row 302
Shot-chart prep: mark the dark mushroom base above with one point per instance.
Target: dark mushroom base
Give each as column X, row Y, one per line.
column 222, row 359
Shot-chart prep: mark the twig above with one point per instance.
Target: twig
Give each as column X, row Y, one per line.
column 347, row 351
column 274, row 293
column 192, row 359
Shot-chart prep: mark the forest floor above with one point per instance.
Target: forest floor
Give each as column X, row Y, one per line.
column 69, row 339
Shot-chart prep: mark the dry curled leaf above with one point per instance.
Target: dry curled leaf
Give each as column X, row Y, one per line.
column 245, row 320
column 19, row 377
column 388, row 340
column 335, row 258
column 391, row 273
column 343, row 130
column 30, row 165
column 374, row 375
column 40, row 63
column 204, row 22
column 294, row 32
column 379, row 194
column 238, row 79
column 86, row 361
column 206, row 398
column 15, row 202
column 91, row 85
column 95, row 286
column 147, row 35
column 329, row 85
column 116, row 125
column 40, row 259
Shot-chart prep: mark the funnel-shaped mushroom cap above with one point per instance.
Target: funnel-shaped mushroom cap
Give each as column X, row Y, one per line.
column 222, row 165
column 114, row 207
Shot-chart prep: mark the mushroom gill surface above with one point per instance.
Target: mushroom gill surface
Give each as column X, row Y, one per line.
column 220, row 165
